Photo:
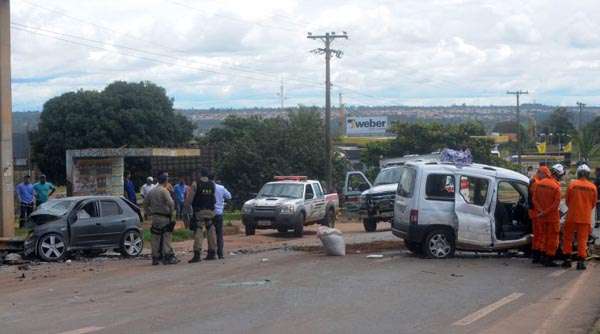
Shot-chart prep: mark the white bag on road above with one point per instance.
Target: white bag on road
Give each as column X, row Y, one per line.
column 332, row 240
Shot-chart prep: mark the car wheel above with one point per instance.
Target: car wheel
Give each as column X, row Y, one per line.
column 439, row 244
column 329, row 219
column 250, row 229
column 282, row 229
column 370, row 224
column 52, row 247
column 414, row 247
column 299, row 228
column 132, row 244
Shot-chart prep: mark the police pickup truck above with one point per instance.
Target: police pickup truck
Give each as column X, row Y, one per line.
column 290, row 202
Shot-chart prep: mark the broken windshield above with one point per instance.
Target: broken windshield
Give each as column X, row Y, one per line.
column 389, row 176
column 55, row 207
column 289, row 190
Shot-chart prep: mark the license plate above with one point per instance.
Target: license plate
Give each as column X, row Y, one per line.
column 264, row 223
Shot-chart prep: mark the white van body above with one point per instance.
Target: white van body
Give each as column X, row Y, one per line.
column 487, row 213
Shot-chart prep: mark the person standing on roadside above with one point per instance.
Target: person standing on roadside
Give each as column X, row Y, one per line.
column 180, row 192
column 129, row 189
column 161, row 208
column 149, row 185
column 537, row 244
column 547, row 202
column 221, row 195
column 202, row 198
column 25, row 195
column 43, row 190
column 597, row 183
column 581, row 199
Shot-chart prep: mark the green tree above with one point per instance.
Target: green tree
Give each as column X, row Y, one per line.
column 254, row 150
column 132, row 114
column 588, row 140
column 559, row 124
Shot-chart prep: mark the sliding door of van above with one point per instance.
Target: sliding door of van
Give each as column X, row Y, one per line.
column 471, row 208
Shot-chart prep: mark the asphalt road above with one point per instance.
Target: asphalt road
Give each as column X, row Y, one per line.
column 302, row 292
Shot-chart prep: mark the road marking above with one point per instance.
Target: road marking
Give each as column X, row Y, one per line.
column 471, row 318
column 565, row 301
column 558, row 273
column 83, row 330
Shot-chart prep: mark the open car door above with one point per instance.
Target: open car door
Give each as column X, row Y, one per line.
column 355, row 184
column 471, row 205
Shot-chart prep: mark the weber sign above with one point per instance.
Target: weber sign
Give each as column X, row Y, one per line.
column 366, row 125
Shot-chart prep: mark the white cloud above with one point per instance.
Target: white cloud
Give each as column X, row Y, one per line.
column 234, row 52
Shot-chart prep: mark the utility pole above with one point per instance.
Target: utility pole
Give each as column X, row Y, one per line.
column 519, row 139
column 579, row 125
column 7, row 205
column 581, row 106
column 327, row 39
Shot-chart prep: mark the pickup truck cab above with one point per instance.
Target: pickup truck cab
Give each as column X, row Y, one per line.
column 441, row 207
column 290, row 202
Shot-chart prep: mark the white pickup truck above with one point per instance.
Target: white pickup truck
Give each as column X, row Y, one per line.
column 290, row 202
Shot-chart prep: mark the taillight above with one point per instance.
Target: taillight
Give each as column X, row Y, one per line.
column 414, row 217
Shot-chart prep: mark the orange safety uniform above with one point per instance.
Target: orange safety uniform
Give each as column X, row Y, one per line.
column 537, row 242
column 546, row 199
column 581, row 199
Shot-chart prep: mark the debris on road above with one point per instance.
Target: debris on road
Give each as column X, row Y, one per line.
column 13, row 259
column 248, row 283
column 375, row 256
column 457, row 275
column 264, row 259
column 332, row 240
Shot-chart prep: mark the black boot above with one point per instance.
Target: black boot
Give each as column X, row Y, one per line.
column 566, row 263
column 535, row 256
column 155, row 261
column 196, row 257
column 550, row 261
column 581, row 264
column 210, row 255
column 170, row 259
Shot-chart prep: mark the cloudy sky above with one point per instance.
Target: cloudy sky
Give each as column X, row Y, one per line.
column 234, row 53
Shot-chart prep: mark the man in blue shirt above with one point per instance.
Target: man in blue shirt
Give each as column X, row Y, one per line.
column 129, row 189
column 180, row 190
column 25, row 195
column 43, row 190
column 221, row 194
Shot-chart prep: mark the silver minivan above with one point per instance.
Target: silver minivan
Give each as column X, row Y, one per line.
column 441, row 207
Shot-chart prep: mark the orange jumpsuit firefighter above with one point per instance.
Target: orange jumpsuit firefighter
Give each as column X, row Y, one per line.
column 546, row 199
column 537, row 242
column 581, row 199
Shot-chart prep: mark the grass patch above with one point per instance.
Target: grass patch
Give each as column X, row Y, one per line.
column 177, row 235
column 232, row 215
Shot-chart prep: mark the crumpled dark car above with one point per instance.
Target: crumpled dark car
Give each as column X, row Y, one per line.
column 86, row 223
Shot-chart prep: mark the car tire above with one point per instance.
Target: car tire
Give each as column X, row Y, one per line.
column 250, row 229
column 414, row 247
column 439, row 244
column 329, row 219
column 52, row 247
column 299, row 228
column 282, row 229
column 370, row 224
column 132, row 244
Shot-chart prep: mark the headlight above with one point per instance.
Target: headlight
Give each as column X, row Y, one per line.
column 246, row 209
column 287, row 208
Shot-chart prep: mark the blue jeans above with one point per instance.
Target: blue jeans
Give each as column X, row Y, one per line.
column 179, row 208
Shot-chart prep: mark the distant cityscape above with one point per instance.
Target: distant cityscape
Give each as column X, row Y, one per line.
column 205, row 119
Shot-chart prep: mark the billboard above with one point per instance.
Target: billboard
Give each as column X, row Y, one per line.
column 376, row 125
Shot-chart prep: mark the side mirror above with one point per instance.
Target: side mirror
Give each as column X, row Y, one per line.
column 253, row 195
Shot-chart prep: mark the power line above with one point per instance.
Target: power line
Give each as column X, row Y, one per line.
column 149, row 42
